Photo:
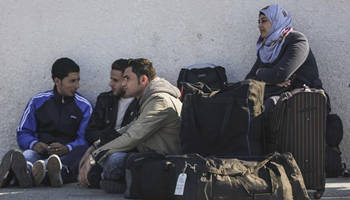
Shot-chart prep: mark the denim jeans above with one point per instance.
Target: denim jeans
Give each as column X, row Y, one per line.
column 70, row 161
column 114, row 166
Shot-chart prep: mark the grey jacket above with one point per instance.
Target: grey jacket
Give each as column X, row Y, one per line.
column 157, row 126
column 295, row 62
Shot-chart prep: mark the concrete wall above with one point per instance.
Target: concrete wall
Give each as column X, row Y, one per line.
column 171, row 33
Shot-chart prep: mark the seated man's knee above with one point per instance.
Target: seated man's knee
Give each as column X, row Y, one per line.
column 113, row 166
column 116, row 158
column 31, row 155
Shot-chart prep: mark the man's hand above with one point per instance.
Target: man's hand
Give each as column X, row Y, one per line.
column 284, row 84
column 83, row 172
column 58, row 149
column 40, row 147
column 84, row 167
column 85, row 157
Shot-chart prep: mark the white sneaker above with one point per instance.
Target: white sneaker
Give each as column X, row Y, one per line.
column 54, row 167
column 38, row 172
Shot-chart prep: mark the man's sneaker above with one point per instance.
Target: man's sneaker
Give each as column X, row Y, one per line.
column 38, row 172
column 54, row 167
column 19, row 168
column 110, row 186
column 5, row 169
column 94, row 176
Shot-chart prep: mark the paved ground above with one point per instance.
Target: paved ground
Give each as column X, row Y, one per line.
column 335, row 189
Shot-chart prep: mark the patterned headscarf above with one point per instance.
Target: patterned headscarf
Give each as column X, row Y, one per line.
column 281, row 21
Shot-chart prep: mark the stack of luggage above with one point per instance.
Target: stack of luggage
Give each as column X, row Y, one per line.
column 229, row 152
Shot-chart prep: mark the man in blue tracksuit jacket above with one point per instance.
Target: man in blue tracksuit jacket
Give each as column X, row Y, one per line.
column 51, row 132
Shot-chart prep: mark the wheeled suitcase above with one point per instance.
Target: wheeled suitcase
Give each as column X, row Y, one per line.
column 298, row 125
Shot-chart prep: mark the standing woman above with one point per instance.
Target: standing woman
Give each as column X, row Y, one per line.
column 284, row 58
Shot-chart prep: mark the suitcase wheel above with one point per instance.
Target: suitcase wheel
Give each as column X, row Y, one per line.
column 318, row 194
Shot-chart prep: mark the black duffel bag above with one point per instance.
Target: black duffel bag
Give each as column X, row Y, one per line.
column 186, row 177
column 224, row 122
column 148, row 176
column 211, row 75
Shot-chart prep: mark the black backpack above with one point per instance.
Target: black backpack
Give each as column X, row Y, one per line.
column 208, row 74
column 334, row 130
column 334, row 165
column 334, row 135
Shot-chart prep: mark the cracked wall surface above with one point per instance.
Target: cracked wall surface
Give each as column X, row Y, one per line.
column 171, row 33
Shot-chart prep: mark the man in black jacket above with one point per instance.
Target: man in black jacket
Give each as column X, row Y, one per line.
column 111, row 112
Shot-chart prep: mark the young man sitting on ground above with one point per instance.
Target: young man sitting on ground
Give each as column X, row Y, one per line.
column 112, row 111
column 156, row 127
column 51, row 133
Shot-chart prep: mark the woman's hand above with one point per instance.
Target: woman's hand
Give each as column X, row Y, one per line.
column 284, row 84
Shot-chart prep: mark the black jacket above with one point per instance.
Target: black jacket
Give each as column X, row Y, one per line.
column 295, row 62
column 104, row 117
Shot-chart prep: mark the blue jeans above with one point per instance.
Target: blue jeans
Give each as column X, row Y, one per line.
column 114, row 166
column 70, row 161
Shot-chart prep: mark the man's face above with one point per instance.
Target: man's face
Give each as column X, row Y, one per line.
column 116, row 82
column 132, row 85
column 68, row 85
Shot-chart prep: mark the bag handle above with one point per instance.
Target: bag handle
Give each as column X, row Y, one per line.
column 221, row 76
column 274, row 174
column 274, row 177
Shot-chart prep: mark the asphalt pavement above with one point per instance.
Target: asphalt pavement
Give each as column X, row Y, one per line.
column 336, row 188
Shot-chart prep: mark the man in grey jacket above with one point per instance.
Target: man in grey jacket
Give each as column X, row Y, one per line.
column 155, row 129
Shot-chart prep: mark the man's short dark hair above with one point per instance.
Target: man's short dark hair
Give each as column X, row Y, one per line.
column 142, row 66
column 62, row 67
column 120, row 64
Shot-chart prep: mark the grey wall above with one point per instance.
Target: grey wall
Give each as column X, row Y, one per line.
column 171, row 33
